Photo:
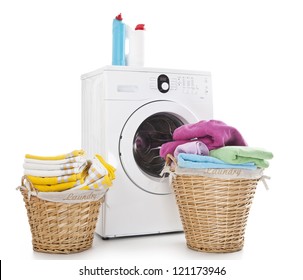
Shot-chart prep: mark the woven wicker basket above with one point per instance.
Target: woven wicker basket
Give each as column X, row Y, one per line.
column 213, row 211
column 61, row 228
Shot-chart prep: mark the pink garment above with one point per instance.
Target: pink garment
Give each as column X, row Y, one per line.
column 214, row 134
column 195, row 147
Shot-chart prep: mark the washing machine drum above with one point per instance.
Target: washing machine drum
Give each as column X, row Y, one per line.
column 144, row 132
column 151, row 134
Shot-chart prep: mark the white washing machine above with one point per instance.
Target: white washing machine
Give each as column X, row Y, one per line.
column 127, row 113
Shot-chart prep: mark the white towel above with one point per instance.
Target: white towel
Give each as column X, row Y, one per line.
column 63, row 166
column 80, row 159
column 54, row 173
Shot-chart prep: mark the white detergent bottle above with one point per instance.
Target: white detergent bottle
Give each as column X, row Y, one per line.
column 136, row 46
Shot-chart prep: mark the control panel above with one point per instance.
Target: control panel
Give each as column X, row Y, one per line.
column 198, row 85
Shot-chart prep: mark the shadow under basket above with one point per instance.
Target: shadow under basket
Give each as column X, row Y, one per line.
column 61, row 228
column 213, row 211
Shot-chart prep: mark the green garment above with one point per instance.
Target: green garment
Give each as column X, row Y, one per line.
column 243, row 154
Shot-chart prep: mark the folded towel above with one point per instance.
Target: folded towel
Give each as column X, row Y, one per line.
column 58, row 187
column 239, row 155
column 80, row 159
column 100, row 174
column 59, row 179
column 54, row 173
column 47, row 175
column 72, row 154
column 63, row 166
column 96, row 172
column 198, row 161
column 195, row 147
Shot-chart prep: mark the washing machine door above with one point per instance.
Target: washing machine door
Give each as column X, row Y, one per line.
column 144, row 132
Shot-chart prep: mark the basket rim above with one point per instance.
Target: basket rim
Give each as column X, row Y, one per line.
column 171, row 167
column 67, row 197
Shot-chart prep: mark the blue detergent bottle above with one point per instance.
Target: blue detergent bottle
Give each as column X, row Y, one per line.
column 119, row 33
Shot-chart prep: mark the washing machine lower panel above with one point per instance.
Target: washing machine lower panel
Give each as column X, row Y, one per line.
column 129, row 211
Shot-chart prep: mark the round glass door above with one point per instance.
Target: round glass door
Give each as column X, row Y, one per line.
column 151, row 134
column 150, row 126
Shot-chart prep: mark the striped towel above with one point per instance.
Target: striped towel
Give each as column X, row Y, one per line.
column 94, row 185
column 100, row 174
column 80, row 159
column 54, row 173
column 72, row 154
column 58, row 187
column 59, row 179
column 64, row 166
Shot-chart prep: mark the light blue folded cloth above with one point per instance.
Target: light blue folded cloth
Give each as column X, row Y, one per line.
column 198, row 161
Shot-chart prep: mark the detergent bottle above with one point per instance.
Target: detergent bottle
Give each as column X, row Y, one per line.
column 136, row 46
column 119, row 35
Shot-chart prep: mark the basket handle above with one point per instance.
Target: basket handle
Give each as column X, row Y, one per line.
column 30, row 191
column 25, row 178
column 169, row 159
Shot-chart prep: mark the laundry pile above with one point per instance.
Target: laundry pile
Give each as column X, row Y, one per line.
column 68, row 171
column 213, row 144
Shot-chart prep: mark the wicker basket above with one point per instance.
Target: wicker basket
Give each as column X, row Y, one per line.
column 213, row 211
column 61, row 228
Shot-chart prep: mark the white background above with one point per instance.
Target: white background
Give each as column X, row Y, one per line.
column 254, row 50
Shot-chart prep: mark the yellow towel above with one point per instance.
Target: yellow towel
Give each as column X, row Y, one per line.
column 107, row 179
column 58, row 180
column 96, row 185
column 100, row 175
column 58, row 187
column 74, row 153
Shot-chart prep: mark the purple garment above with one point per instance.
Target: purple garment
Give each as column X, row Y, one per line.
column 195, row 147
column 169, row 147
column 214, row 134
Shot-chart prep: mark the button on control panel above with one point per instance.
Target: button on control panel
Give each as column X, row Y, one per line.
column 163, row 83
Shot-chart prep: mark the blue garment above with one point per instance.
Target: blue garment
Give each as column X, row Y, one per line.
column 199, row 161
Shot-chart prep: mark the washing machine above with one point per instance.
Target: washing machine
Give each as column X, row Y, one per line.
column 127, row 114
